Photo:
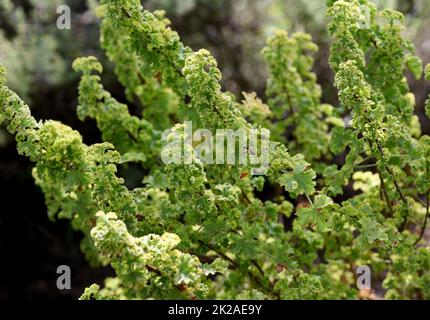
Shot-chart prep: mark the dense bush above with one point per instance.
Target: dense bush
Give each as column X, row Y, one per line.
column 216, row 231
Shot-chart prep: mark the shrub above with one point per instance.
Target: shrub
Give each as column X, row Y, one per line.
column 195, row 230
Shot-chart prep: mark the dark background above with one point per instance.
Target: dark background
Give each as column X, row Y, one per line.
column 31, row 246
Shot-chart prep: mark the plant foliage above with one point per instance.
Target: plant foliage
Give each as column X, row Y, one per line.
column 204, row 231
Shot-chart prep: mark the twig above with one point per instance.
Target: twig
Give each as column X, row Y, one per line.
column 423, row 229
column 420, row 201
column 309, row 199
column 255, row 263
column 396, row 185
column 221, row 254
column 385, row 193
column 235, row 265
column 364, row 166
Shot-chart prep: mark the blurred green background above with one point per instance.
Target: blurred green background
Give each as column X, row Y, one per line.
column 38, row 58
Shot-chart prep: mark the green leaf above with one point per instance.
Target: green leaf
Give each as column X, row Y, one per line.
column 415, row 65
